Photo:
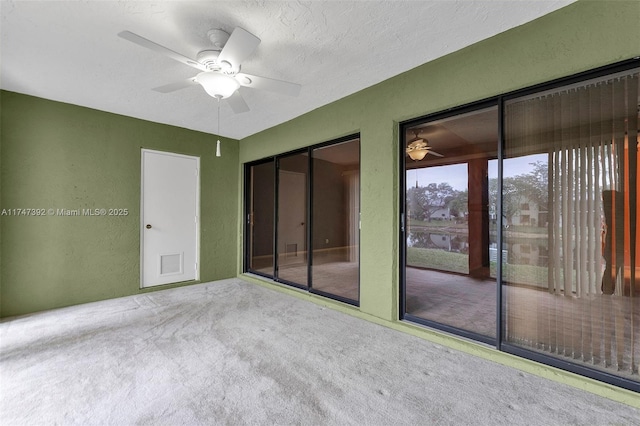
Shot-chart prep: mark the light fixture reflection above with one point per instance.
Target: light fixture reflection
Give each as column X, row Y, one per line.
column 417, row 150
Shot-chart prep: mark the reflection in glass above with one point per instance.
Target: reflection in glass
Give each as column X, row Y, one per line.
column 336, row 217
column 291, row 239
column 438, row 232
column 570, row 203
column 261, row 206
column 451, row 223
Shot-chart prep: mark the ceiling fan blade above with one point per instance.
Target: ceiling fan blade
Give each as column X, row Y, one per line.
column 141, row 41
column 240, row 45
column 264, row 83
column 172, row 87
column 237, row 103
column 434, row 153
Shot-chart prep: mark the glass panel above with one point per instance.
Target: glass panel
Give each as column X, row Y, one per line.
column 292, row 218
column 571, row 272
column 450, row 232
column 336, row 219
column 261, row 204
column 437, row 211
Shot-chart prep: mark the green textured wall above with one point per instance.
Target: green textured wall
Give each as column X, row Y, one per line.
column 579, row 37
column 56, row 155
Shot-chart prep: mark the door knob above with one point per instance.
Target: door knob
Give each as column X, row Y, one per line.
column 148, row 226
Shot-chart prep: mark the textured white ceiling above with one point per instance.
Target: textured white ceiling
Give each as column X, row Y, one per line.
column 69, row 51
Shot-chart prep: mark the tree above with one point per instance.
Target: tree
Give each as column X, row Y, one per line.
column 535, row 184
column 460, row 203
column 423, row 201
column 512, row 197
column 416, row 200
column 529, row 187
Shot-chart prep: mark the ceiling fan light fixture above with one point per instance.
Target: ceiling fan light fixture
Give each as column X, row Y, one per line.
column 218, row 85
column 417, row 150
column 418, row 154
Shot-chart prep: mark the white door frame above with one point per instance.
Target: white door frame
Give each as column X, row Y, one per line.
column 142, row 217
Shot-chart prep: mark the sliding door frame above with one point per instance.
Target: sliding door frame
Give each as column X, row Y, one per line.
column 581, row 369
column 248, row 206
column 499, row 342
column 464, row 109
column 309, row 217
column 310, row 210
column 276, row 235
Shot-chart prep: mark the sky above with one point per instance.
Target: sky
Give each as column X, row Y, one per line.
column 456, row 174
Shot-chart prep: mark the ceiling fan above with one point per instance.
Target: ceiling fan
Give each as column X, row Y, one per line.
column 419, row 147
column 219, row 67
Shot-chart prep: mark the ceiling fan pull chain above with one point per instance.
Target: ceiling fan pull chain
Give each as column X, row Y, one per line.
column 218, row 154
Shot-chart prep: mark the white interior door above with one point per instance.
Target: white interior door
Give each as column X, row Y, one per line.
column 169, row 218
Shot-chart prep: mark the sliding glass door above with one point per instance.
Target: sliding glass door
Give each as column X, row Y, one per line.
column 450, row 224
column 260, row 229
column 303, row 219
column 574, row 213
column 520, row 223
column 336, row 219
column 291, row 236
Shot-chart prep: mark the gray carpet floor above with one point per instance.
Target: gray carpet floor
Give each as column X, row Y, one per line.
column 231, row 352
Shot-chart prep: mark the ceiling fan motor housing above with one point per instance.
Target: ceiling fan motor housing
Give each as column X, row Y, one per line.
column 209, row 58
column 218, row 37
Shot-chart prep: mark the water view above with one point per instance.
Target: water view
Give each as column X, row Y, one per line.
column 445, row 246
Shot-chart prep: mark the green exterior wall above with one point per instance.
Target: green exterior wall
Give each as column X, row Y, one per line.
column 577, row 38
column 56, row 155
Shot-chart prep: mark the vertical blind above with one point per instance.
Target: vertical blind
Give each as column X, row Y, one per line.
column 590, row 310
